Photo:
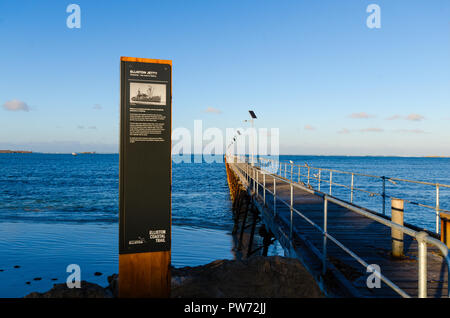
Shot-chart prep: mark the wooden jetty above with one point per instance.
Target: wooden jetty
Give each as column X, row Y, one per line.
column 346, row 247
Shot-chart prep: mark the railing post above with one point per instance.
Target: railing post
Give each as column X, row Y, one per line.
column 320, row 171
column 397, row 236
column 264, row 188
column 437, row 208
column 254, row 177
column 257, row 183
column 325, row 231
column 421, row 241
column 292, row 209
column 274, row 196
column 308, row 174
column 331, row 180
column 384, row 195
column 285, row 169
column 292, row 172
column 351, row 188
column 247, row 174
column 299, row 173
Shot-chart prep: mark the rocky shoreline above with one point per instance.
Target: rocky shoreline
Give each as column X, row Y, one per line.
column 257, row 277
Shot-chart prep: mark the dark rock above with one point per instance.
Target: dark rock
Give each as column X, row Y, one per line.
column 259, row 277
column 2, row 270
column 87, row 290
column 28, row 283
column 113, row 286
column 54, row 279
column 98, row 274
column 16, row 266
column 37, row 278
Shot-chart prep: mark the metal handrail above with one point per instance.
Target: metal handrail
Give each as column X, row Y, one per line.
column 384, row 179
column 422, row 237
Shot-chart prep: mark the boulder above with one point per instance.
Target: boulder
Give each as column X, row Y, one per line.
column 256, row 277
column 87, row 290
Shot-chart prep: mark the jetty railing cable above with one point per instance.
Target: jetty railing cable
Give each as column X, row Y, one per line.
column 250, row 173
column 293, row 171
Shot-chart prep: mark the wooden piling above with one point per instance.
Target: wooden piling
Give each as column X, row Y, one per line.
column 445, row 228
column 397, row 210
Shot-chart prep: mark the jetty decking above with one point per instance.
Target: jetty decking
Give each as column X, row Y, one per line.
column 367, row 239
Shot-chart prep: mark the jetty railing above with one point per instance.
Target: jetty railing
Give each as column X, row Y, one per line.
column 250, row 172
column 293, row 171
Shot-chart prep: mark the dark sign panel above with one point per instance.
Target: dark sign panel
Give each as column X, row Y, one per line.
column 145, row 155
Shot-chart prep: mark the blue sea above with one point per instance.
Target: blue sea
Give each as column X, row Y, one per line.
column 59, row 209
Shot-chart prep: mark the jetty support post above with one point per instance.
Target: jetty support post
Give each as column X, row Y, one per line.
column 397, row 211
column 252, row 232
column 445, row 228
column 243, row 226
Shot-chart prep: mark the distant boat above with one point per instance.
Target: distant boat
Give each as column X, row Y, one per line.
column 74, row 153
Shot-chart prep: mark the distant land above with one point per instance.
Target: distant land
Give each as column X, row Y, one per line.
column 15, row 151
column 436, row 157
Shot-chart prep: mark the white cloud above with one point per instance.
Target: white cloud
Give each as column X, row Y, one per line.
column 309, row 127
column 213, row 110
column 415, row 117
column 16, row 105
column 361, row 115
column 371, row 130
column 411, row 117
column 413, row 131
column 344, row 131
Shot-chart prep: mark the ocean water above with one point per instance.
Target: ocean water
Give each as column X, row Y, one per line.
column 57, row 210
column 433, row 170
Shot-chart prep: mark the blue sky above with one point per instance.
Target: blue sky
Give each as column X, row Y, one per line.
column 311, row 68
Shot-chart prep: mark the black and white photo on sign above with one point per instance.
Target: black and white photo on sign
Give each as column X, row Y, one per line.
column 147, row 94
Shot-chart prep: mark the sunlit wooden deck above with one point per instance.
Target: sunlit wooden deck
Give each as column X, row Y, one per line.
column 365, row 237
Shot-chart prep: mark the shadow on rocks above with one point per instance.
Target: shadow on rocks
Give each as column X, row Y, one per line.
column 257, row 277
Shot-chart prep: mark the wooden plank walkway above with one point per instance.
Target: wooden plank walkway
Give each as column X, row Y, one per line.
column 369, row 239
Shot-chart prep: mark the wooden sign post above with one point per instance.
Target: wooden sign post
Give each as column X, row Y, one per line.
column 145, row 177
